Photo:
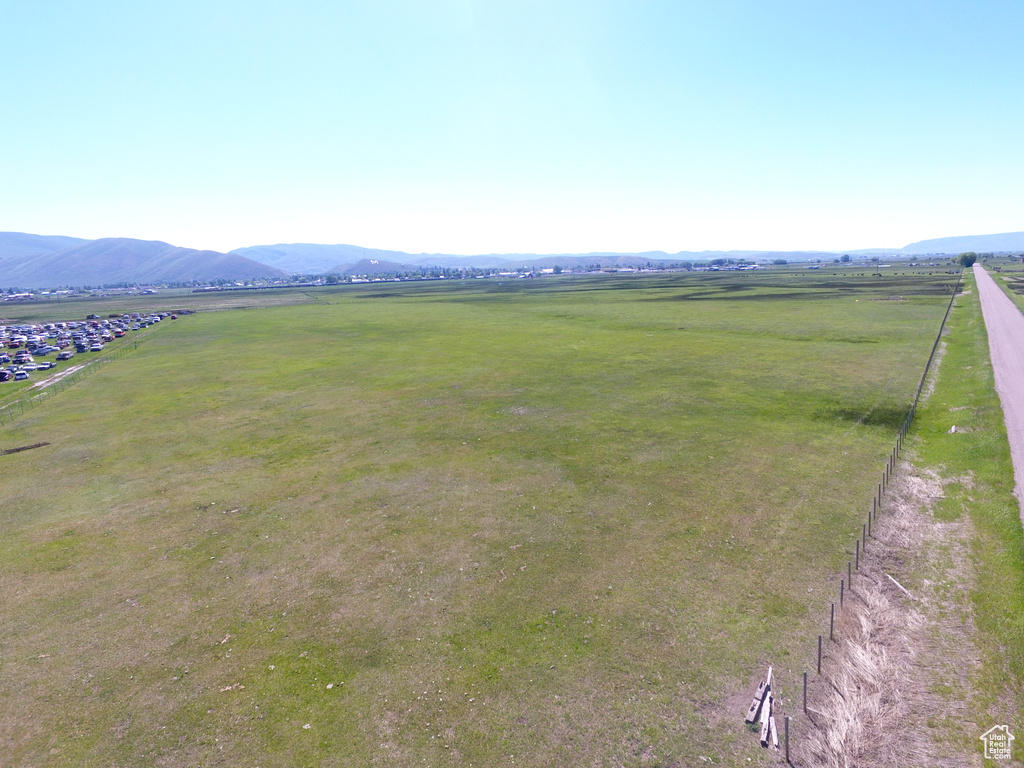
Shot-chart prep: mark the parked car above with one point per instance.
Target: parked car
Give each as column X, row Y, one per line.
column 21, row 375
column 97, row 347
column 67, row 354
column 6, row 375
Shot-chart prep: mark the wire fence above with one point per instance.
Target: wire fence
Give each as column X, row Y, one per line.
column 864, row 535
column 58, row 384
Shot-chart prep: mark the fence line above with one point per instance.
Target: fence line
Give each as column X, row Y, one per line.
column 877, row 501
column 30, row 398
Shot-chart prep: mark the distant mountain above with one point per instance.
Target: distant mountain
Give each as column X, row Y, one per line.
column 1007, row 241
column 314, row 259
column 123, row 260
column 413, row 262
column 15, row 246
column 50, row 261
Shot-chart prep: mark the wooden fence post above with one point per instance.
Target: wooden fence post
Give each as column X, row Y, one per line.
column 787, row 738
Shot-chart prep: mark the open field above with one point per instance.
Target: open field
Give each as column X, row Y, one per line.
column 558, row 522
column 167, row 300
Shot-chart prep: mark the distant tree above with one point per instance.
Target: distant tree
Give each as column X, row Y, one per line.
column 967, row 259
column 845, row 258
column 835, row 261
column 780, row 262
column 558, row 270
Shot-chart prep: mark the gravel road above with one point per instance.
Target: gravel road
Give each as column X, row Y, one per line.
column 1005, row 325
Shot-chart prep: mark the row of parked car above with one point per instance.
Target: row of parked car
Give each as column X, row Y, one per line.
column 20, row 345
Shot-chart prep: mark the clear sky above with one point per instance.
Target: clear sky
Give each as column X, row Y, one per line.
column 493, row 126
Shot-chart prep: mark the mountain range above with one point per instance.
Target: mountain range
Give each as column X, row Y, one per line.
column 41, row 261
column 53, row 261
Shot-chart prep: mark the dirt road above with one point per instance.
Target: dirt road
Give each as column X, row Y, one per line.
column 1005, row 325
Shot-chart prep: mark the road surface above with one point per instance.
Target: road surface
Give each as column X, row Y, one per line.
column 1005, row 325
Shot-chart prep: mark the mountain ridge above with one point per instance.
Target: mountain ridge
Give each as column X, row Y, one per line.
column 48, row 261
column 997, row 243
column 113, row 260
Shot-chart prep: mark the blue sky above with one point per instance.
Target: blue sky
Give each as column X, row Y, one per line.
column 513, row 126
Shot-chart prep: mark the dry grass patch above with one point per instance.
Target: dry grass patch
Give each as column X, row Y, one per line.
column 897, row 679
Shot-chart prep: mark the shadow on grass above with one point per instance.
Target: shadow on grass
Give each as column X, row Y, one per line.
column 815, row 290
column 888, row 415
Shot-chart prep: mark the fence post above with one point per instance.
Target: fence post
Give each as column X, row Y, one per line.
column 787, row 738
column 831, row 621
column 805, row 693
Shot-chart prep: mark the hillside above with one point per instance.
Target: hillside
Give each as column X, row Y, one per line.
column 124, row 260
column 1006, row 241
column 17, row 246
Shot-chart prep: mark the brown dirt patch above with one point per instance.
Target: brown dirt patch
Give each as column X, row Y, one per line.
column 55, row 377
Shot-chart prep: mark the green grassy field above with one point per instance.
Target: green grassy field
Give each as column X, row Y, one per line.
column 545, row 523
column 978, row 454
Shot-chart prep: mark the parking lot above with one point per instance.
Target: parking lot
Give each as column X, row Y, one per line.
column 27, row 350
